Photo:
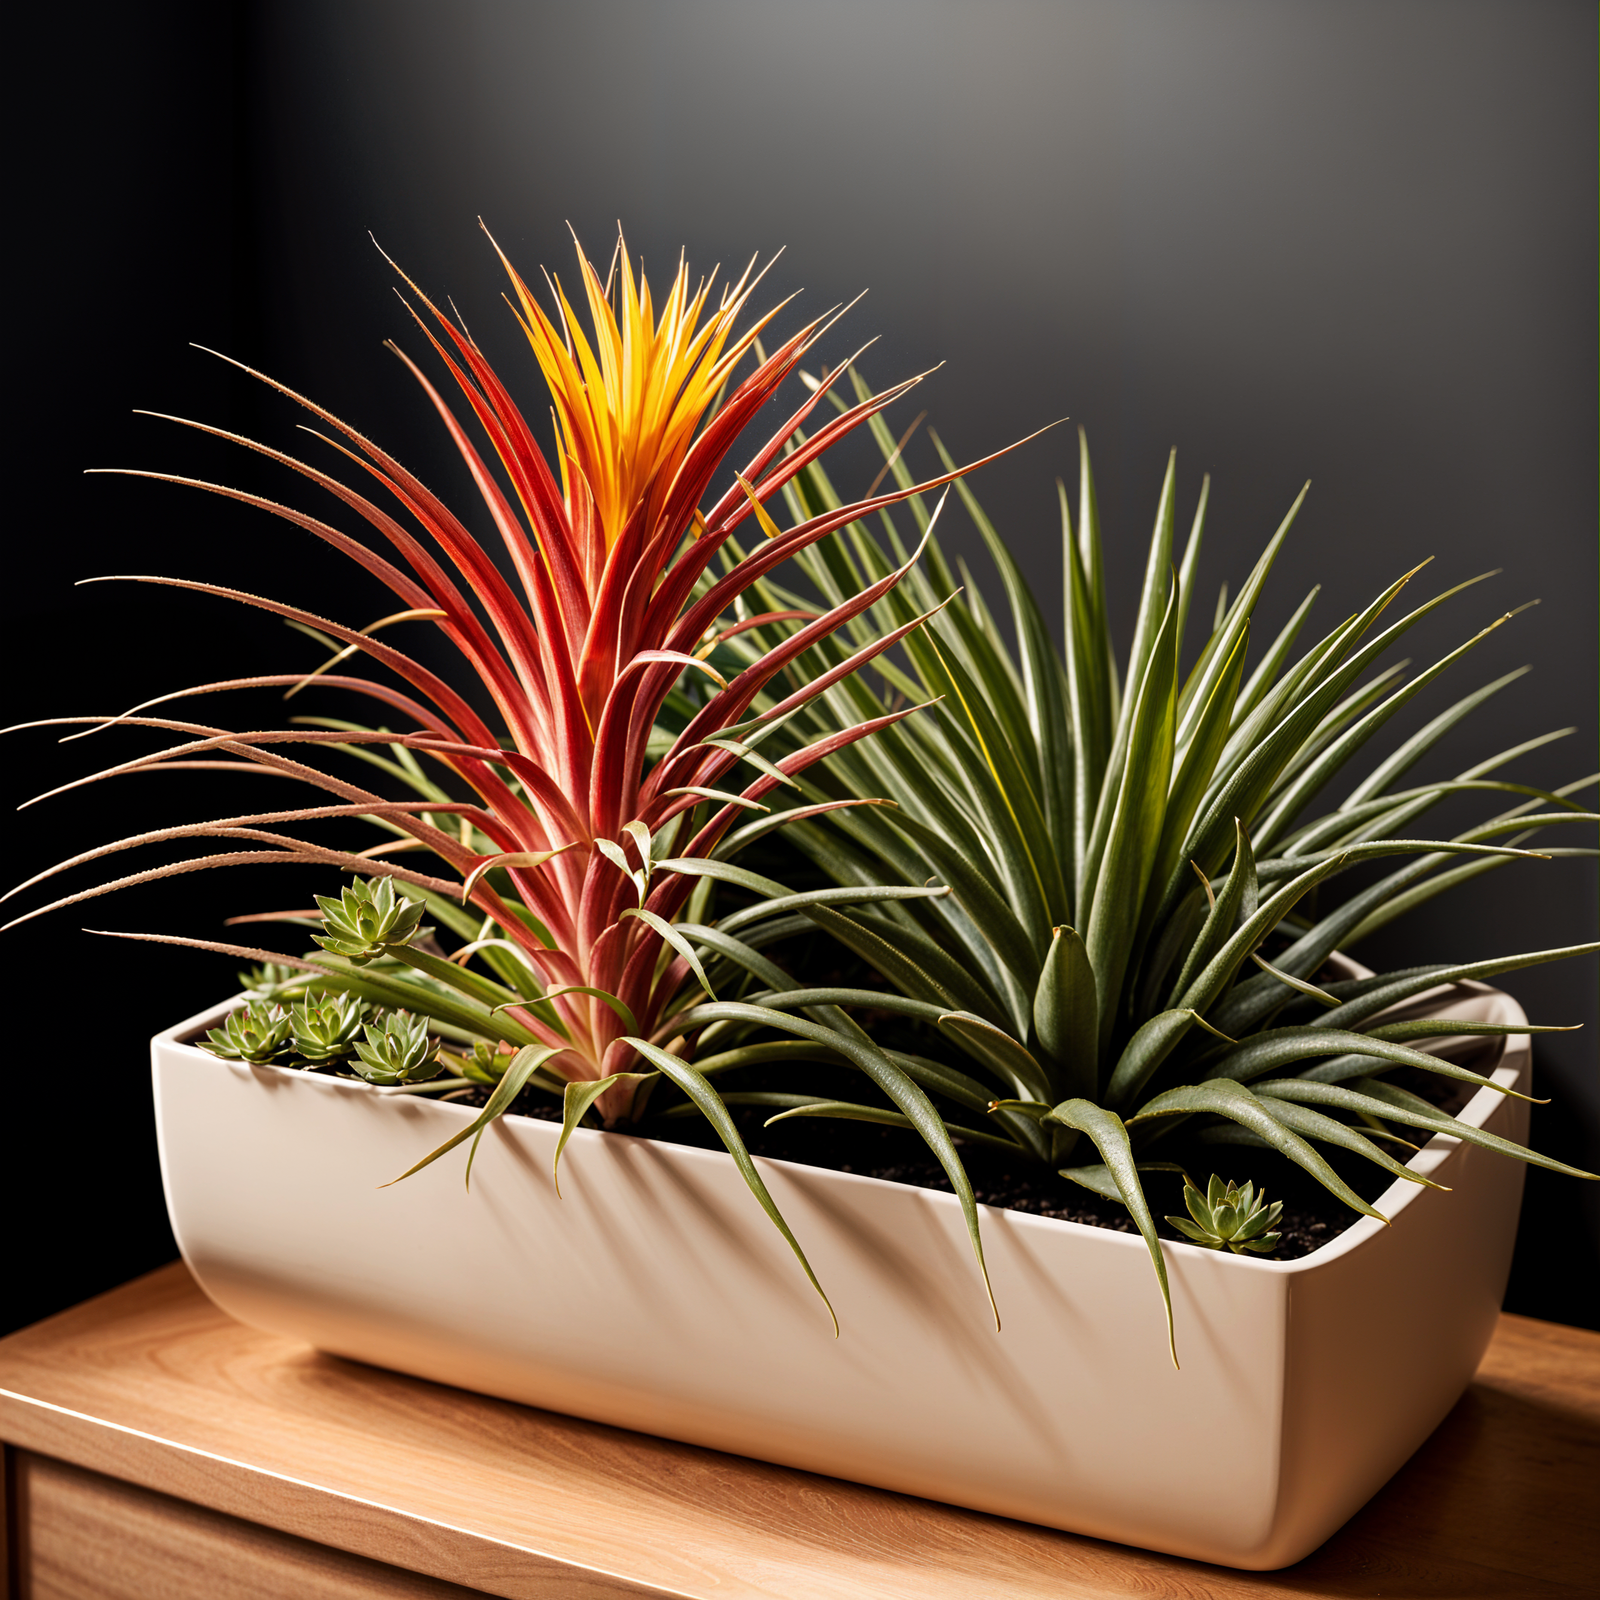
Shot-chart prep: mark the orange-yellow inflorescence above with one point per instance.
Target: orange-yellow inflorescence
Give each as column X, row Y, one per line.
column 628, row 403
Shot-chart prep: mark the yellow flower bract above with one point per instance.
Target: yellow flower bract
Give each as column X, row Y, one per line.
column 629, row 398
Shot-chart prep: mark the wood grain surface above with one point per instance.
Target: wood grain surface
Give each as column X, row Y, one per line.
column 89, row 1537
column 153, row 1386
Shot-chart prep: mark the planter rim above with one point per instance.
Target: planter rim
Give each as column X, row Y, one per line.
column 1400, row 1193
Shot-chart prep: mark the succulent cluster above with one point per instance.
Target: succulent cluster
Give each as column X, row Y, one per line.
column 1229, row 1217
column 331, row 1030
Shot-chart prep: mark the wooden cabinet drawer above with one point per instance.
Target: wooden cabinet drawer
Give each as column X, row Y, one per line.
column 80, row 1536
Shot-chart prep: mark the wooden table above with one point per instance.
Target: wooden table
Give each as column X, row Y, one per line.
column 154, row 1448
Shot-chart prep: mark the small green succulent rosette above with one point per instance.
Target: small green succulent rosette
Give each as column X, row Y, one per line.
column 1229, row 1217
column 486, row 1065
column 326, row 1027
column 397, row 1050
column 256, row 1033
column 272, row 980
column 367, row 919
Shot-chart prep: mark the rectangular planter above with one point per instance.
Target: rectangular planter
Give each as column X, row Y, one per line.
column 655, row 1295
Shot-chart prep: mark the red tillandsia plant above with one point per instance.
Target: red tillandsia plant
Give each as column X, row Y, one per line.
column 587, row 833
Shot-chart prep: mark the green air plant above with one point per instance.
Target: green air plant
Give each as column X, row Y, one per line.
column 1120, row 840
column 1229, row 1217
column 561, row 798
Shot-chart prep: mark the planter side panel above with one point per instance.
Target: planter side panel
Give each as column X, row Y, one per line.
column 1385, row 1335
column 655, row 1295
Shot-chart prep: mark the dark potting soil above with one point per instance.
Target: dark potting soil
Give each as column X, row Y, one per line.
column 1311, row 1216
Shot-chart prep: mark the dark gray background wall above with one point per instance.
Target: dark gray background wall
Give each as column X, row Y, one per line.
column 1347, row 241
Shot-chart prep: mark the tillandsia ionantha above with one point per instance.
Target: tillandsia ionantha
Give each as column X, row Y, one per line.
column 573, row 841
column 1120, row 843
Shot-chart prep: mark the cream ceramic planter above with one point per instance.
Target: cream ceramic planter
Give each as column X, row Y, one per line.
column 655, row 1295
